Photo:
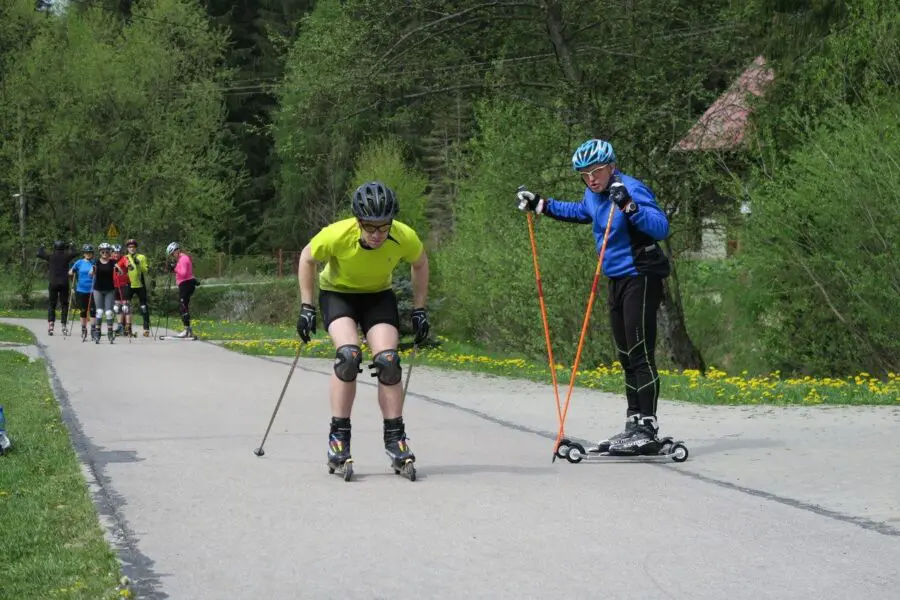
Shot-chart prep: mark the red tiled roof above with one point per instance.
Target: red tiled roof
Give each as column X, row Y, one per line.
column 722, row 125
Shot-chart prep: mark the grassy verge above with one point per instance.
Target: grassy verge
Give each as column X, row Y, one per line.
column 717, row 387
column 51, row 544
column 15, row 334
column 25, row 313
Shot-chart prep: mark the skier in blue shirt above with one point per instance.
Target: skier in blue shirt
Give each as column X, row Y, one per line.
column 635, row 265
column 83, row 271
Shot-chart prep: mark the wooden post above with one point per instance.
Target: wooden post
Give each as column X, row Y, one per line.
column 280, row 263
column 219, row 261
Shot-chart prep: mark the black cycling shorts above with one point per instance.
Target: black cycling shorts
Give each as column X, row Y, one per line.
column 367, row 309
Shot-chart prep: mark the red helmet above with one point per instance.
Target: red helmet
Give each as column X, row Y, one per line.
column 131, row 242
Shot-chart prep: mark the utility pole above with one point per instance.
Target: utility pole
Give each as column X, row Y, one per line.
column 21, row 193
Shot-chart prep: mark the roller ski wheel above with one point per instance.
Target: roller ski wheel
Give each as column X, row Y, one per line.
column 345, row 468
column 406, row 469
column 562, row 450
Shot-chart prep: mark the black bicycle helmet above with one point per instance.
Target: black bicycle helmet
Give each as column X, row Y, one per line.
column 87, row 248
column 374, row 201
column 59, row 245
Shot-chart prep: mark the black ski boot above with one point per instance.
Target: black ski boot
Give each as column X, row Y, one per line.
column 631, row 426
column 65, row 327
column 111, row 332
column 95, row 334
column 50, row 328
column 339, row 458
column 84, row 332
column 396, row 447
column 643, row 441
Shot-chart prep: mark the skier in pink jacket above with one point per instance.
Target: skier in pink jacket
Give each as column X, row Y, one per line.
column 184, row 279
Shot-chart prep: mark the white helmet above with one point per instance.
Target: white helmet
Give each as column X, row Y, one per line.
column 104, row 246
column 172, row 248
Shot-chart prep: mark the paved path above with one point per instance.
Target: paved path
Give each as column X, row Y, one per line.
column 774, row 503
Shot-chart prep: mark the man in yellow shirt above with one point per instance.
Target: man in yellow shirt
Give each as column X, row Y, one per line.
column 360, row 254
column 136, row 266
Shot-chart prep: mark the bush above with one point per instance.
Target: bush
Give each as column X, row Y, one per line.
column 486, row 272
column 822, row 245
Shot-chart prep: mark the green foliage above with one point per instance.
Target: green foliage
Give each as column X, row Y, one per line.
column 486, row 270
column 108, row 122
column 822, row 248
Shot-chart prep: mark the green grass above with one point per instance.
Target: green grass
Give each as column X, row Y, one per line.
column 15, row 334
column 51, row 544
column 717, row 387
column 207, row 329
column 24, row 313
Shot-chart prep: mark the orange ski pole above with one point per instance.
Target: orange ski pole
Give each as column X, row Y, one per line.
column 584, row 327
column 540, row 290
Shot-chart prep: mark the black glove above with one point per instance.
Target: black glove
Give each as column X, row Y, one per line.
column 618, row 193
column 529, row 201
column 171, row 266
column 307, row 321
column 420, row 325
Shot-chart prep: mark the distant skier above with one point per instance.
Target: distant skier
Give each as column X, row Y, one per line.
column 58, row 288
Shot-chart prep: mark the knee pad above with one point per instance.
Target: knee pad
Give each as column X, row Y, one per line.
column 109, row 315
column 126, row 309
column 386, row 365
column 143, row 309
column 116, row 308
column 346, row 362
column 99, row 313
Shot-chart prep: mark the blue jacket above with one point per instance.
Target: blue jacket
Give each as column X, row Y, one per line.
column 631, row 248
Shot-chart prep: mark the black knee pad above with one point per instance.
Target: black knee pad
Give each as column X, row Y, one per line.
column 386, row 365
column 346, row 362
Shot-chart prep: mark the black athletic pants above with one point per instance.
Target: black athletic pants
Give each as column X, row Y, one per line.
column 58, row 292
column 185, row 291
column 633, row 302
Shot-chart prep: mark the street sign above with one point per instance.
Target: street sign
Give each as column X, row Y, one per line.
column 112, row 232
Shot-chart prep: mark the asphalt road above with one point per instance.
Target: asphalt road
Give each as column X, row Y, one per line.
column 773, row 502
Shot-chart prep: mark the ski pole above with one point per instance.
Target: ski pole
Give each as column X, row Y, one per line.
column 90, row 300
column 259, row 451
column 165, row 302
column 412, row 361
column 584, row 327
column 68, row 330
column 544, row 319
column 122, row 311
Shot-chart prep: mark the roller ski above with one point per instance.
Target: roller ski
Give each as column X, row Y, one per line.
column 84, row 333
column 95, row 334
column 50, row 329
column 186, row 336
column 638, row 440
column 111, row 334
column 339, row 459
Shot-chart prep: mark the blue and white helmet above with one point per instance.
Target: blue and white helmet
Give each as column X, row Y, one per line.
column 593, row 152
column 172, row 248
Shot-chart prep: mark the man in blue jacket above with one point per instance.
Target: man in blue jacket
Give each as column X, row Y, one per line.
column 635, row 265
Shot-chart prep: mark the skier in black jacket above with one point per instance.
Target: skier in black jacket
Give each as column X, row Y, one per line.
column 58, row 289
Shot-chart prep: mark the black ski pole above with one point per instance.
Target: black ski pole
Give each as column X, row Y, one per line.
column 259, row 451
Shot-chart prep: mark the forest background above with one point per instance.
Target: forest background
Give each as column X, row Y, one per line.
column 240, row 127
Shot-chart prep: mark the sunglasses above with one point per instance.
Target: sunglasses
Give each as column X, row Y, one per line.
column 592, row 172
column 369, row 228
